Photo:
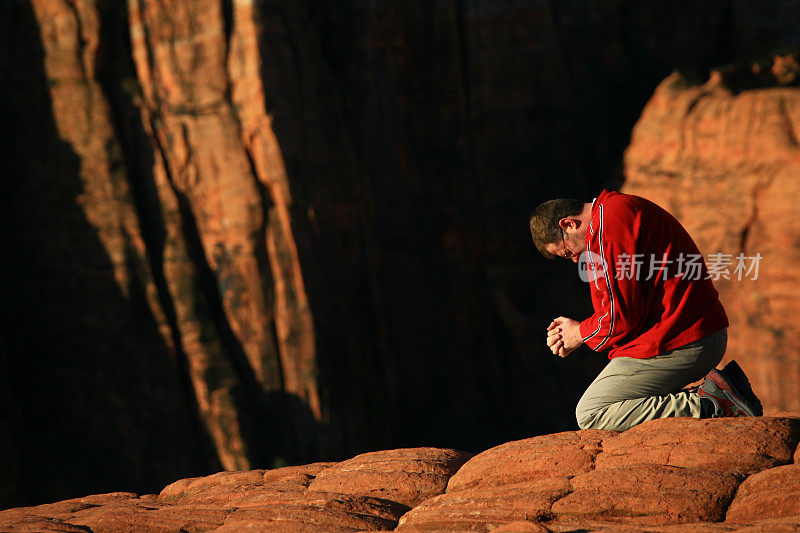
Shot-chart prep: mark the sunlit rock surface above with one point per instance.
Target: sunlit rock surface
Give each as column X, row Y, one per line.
column 735, row 474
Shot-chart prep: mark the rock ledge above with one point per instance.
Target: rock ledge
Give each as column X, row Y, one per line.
column 665, row 475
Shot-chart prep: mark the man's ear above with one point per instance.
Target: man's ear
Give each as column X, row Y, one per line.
column 566, row 223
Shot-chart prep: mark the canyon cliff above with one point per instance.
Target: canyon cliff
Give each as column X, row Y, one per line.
column 243, row 234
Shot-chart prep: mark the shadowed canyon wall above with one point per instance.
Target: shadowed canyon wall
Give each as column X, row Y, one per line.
column 245, row 233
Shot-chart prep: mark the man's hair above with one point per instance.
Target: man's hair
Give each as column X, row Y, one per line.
column 544, row 222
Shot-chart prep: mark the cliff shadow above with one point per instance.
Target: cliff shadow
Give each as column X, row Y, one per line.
column 90, row 375
column 397, row 220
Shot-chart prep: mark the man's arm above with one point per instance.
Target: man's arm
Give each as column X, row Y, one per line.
column 616, row 287
column 617, row 295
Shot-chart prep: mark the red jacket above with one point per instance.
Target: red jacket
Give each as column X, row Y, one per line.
column 644, row 317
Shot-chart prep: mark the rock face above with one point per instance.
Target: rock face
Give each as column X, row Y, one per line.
column 724, row 157
column 766, row 495
column 664, row 475
column 241, row 234
column 537, row 458
column 407, row 476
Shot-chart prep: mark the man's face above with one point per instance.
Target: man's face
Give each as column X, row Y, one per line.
column 572, row 242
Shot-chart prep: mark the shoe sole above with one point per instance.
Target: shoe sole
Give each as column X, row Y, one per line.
column 734, row 375
column 736, row 399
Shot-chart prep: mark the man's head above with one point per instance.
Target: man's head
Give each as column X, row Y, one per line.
column 558, row 228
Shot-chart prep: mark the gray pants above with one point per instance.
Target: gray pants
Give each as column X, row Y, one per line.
column 630, row 391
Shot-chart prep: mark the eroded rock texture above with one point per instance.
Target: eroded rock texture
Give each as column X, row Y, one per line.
column 245, row 233
column 724, row 158
column 408, row 490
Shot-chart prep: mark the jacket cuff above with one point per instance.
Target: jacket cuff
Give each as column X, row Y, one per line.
column 587, row 327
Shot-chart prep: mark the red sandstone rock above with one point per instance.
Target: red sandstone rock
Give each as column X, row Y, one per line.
column 234, row 506
column 522, row 526
column 740, row 445
column 298, row 477
column 773, row 525
column 569, row 453
column 664, row 476
column 773, row 493
column 568, row 523
column 224, row 487
column 216, row 152
column 318, row 509
column 649, row 494
column 408, row 476
column 70, row 506
column 147, row 239
column 128, row 516
column 280, row 526
column 485, row 508
column 72, row 515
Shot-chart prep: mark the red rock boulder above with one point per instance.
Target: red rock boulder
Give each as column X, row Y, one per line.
column 224, row 486
column 649, row 494
column 773, row 493
column 668, row 475
column 486, row 508
column 320, row 511
column 408, row 476
column 561, row 454
column 734, row 445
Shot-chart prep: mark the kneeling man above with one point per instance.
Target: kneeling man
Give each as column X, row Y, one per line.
column 655, row 310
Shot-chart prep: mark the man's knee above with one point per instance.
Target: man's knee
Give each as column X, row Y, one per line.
column 593, row 415
column 585, row 415
column 585, row 423
column 597, row 419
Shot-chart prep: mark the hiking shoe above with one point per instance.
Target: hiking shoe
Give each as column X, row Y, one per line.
column 727, row 401
column 691, row 390
column 734, row 375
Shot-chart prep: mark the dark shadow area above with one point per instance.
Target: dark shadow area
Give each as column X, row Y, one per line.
column 91, row 377
column 12, row 491
column 286, row 430
column 333, row 234
column 115, row 73
column 423, row 336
